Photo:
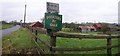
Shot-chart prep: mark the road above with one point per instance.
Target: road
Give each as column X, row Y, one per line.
column 8, row 31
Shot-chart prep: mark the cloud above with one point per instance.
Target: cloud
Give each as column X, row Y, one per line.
column 12, row 11
column 72, row 10
column 91, row 10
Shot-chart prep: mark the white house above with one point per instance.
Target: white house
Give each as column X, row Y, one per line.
column 87, row 28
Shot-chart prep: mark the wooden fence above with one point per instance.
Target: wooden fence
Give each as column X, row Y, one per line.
column 53, row 48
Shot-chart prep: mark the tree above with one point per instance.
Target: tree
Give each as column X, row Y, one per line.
column 3, row 22
column 105, row 28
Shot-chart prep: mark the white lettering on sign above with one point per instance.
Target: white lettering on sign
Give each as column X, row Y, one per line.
column 55, row 17
column 54, row 25
column 53, row 20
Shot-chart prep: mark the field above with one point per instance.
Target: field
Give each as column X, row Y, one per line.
column 21, row 40
column 17, row 40
column 80, row 43
column 4, row 26
column 67, row 30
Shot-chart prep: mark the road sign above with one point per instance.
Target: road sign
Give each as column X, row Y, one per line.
column 53, row 21
column 52, row 7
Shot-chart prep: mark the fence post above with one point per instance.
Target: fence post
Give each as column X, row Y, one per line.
column 52, row 41
column 109, row 53
column 36, row 32
column 32, row 30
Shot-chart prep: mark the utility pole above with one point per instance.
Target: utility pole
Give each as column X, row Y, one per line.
column 24, row 15
column 119, row 21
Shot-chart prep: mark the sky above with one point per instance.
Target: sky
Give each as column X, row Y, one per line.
column 80, row 11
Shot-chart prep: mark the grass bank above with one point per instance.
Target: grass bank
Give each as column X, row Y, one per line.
column 19, row 39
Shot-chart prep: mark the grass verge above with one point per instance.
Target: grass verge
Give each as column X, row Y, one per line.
column 19, row 39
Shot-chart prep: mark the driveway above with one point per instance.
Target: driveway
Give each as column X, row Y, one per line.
column 8, row 31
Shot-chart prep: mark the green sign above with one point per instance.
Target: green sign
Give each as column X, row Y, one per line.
column 53, row 21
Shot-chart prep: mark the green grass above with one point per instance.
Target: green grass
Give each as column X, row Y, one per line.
column 4, row 26
column 90, row 33
column 19, row 39
column 66, row 29
column 44, row 38
column 84, row 43
column 81, row 43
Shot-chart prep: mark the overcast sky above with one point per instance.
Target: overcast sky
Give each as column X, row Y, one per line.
column 72, row 10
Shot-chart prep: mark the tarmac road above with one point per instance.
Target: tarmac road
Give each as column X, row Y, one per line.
column 8, row 31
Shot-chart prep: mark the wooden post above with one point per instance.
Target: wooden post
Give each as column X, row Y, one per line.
column 36, row 32
column 52, row 41
column 32, row 30
column 109, row 52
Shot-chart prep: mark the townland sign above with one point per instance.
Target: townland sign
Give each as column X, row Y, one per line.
column 53, row 20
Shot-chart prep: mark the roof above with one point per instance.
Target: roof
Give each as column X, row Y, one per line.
column 32, row 24
column 36, row 24
column 98, row 25
column 87, row 27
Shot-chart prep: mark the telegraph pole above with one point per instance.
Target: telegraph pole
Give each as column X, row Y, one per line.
column 24, row 15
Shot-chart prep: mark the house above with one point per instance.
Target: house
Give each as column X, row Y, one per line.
column 36, row 24
column 87, row 28
column 98, row 27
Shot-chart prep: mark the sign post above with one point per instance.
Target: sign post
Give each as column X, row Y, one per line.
column 52, row 22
